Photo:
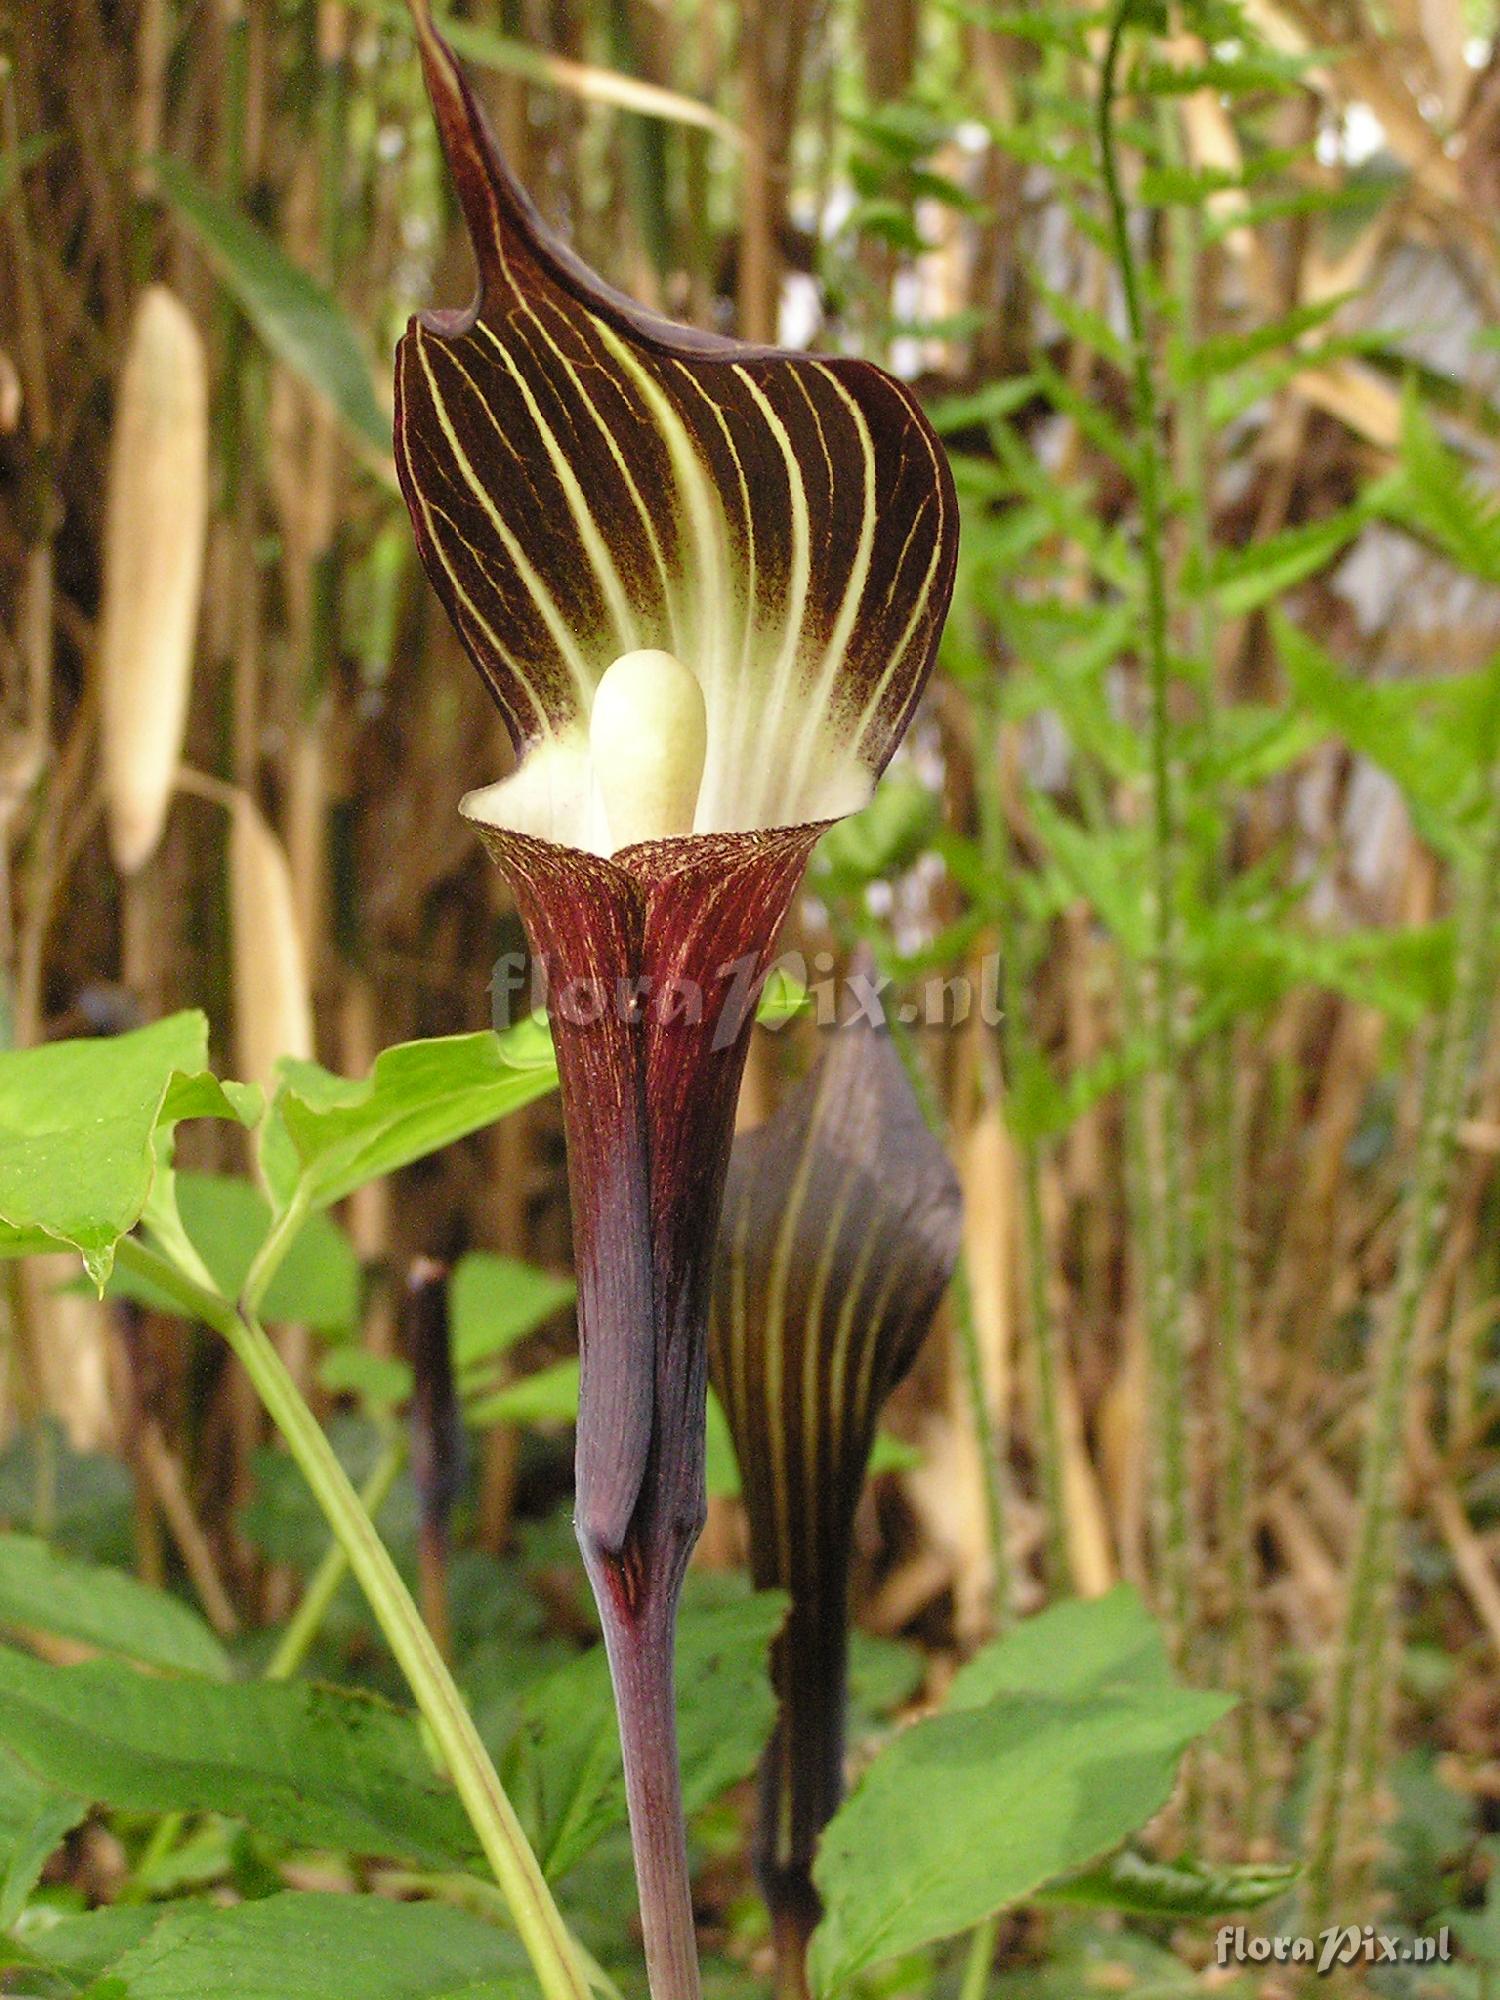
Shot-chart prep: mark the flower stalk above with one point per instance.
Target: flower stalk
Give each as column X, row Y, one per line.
column 703, row 581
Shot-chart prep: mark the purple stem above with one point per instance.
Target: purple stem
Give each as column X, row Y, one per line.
column 641, row 1652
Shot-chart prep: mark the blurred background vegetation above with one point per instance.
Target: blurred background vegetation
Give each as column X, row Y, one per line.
column 1230, row 1290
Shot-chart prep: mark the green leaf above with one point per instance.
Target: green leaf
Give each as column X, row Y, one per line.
column 1222, row 352
column 494, row 1302
column 77, row 1123
column 1099, row 1645
column 47, row 1592
column 317, row 1285
column 1105, row 867
column 381, row 1381
column 1439, row 497
column 297, row 1946
column 1390, row 722
column 298, row 321
column 419, row 1096
column 1242, row 580
column 1033, row 1785
column 883, row 839
column 989, row 405
column 79, row 1948
column 34, row 1817
column 1175, row 1889
column 310, row 1765
column 566, row 1756
column 550, row 1396
column 331, row 1134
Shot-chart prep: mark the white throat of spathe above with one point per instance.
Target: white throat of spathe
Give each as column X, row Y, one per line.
column 635, row 772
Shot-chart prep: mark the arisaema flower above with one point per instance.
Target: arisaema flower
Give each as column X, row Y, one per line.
column 841, row 1227
column 704, row 583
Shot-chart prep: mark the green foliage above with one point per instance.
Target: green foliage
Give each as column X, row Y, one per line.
column 295, row 317
column 563, row 1766
column 1054, row 1745
column 34, row 1817
column 306, row 1765
column 317, row 1285
column 42, row 1591
column 494, row 1302
column 330, row 1134
column 79, row 1130
column 550, row 1396
column 1171, row 1889
column 288, row 1946
column 879, row 842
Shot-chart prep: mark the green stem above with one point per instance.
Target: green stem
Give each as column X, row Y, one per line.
column 1223, row 1153
column 1361, row 1671
column 1224, row 1163
column 307, row 1621
column 980, row 1960
column 271, row 1255
column 536, row 1916
column 1165, row 1110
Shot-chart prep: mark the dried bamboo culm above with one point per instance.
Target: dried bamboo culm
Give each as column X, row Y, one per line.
column 156, row 521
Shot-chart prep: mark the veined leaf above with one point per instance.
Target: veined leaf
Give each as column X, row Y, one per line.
column 292, row 1946
column 304, row 1764
column 78, row 1125
column 1056, row 1744
column 334, row 1133
column 1108, row 1644
column 298, row 321
column 566, row 1758
column 105, row 1608
column 341, row 1132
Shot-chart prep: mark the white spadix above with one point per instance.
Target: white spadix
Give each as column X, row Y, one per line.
column 648, row 736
